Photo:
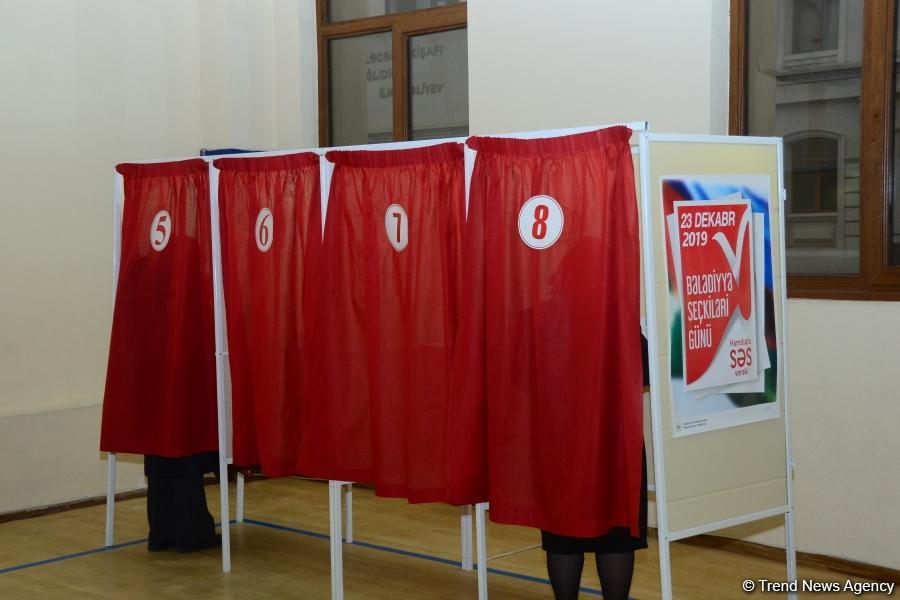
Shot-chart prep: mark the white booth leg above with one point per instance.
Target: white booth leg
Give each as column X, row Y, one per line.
column 665, row 567
column 481, row 546
column 465, row 529
column 790, row 552
column 348, row 510
column 110, row 498
column 337, row 559
column 222, row 407
column 239, row 499
column 225, row 513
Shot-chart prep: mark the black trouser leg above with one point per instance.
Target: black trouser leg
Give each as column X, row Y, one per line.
column 194, row 525
column 160, row 513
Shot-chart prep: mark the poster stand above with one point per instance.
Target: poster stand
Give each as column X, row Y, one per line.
column 693, row 495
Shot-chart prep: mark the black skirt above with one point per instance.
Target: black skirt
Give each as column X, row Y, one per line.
column 195, row 464
column 616, row 540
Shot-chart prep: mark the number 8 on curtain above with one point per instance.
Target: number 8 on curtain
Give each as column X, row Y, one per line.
column 540, row 222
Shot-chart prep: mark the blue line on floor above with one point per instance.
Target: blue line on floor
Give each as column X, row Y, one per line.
column 100, row 550
column 314, row 534
column 369, row 545
column 408, row 553
column 48, row 561
column 437, row 559
column 308, row 533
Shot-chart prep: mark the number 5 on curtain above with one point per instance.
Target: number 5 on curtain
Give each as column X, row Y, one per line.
column 160, row 230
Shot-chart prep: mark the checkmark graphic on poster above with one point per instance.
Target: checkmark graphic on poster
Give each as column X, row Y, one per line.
column 712, row 240
column 730, row 255
column 736, row 259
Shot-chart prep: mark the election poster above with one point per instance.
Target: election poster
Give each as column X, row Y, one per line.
column 721, row 301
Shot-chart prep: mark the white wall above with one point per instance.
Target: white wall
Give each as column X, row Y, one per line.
column 536, row 64
column 258, row 74
column 844, row 402
column 541, row 65
column 845, row 389
column 86, row 84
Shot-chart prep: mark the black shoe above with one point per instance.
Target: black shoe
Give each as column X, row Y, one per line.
column 214, row 542
column 154, row 546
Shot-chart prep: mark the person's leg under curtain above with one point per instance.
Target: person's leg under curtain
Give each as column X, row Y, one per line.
column 615, row 572
column 160, row 513
column 565, row 574
column 194, row 525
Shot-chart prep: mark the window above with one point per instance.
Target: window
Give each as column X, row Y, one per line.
column 814, row 25
column 392, row 70
column 812, row 175
column 810, row 32
column 822, row 214
column 821, row 74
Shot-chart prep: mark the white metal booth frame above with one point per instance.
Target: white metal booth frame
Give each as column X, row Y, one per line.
column 651, row 245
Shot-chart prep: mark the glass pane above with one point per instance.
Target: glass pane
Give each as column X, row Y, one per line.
column 814, row 25
column 894, row 226
column 803, row 83
column 362, row 89
column 344, row 10
column 439, row 85
column 813, row 176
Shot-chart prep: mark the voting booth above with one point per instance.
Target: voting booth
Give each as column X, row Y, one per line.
column 713, row 300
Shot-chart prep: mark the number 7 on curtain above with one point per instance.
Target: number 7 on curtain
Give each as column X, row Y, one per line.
column 396, row 226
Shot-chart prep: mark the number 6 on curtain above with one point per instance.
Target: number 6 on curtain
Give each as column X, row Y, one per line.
column 264, row 223
column 540, row 222
column 396, row 225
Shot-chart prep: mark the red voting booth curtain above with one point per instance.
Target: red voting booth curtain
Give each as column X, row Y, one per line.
column 271, row 232
column 160, row 383
column 546, row 417
column 388, row 307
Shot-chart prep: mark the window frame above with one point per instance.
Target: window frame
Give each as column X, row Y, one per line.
column 877, row 278
column 402, row 26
